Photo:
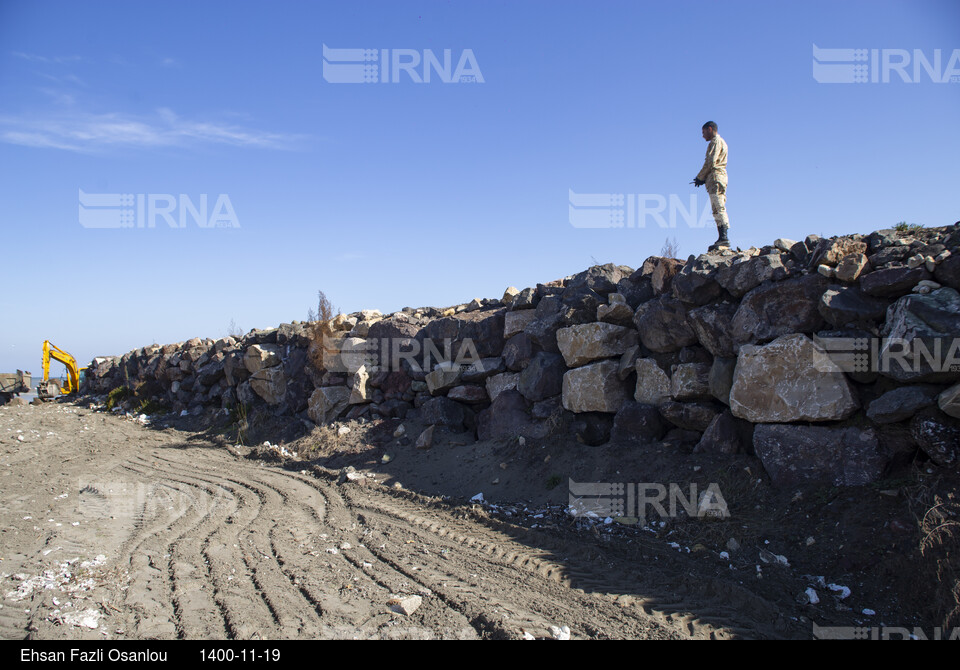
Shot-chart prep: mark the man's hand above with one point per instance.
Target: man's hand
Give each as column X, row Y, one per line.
column 697, row 183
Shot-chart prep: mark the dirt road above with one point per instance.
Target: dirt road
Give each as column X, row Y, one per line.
column 112, row 530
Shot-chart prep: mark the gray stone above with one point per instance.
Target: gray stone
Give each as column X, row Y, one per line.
column 497, row 384
column 653, row 384
column 794, row 455
column 518, row 351
column 713, row 324
column 739, row 278
column 851, row 266
column 925, row 327
column 690, row 381
column 425, row 439
column 543, row 377
column 788, row 380
column 479, row 370
column 721, row 378
column 939, row 437
column 594, row 388
column 270, row 384
column 259, row 356
column 359, row 387
column 949, row 401
column 515, row 322
column 326, row 403
column 849, row 305
column 593, row 341
column 617, row 312
column 772, row 310
column 901, row 403
column 663, row 325
column 468, row 393
column 444, row 377
column 892, row 282
column 443, row 411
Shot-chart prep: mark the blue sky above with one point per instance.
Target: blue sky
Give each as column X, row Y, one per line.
column 393, row 194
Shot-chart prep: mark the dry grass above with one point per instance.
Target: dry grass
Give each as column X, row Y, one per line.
column 936, row 506
column 321, row 332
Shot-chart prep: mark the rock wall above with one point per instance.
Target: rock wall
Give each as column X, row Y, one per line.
column 829, row 359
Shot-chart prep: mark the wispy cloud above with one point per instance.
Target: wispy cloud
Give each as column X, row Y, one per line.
column 90, row 133
column 46, row 59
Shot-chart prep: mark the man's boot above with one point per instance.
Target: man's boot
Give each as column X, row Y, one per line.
column 722, row 241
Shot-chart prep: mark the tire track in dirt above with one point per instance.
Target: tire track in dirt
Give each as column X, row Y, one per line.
column 305, row 503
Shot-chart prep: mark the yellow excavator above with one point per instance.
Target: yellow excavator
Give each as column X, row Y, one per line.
column 51, row 388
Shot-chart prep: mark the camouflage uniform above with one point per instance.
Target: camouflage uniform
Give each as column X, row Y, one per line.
column 714, row 175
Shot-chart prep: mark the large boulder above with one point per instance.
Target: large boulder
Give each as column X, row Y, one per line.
column 444, row 377
column 443, row 411
column 593, row 341
column 721, row 378
column 739, row 278
column 504, row 381
column 922, row 338
column 518, row 351
column 515, row 322
column 831, row 251
column 359, row 387
column 617, row 311
column 690, row 381
column 713, row 323
column 270, row 384
column 653, row 384
column 696, row 283
column 663, row 325
column 543, row 331
column 328, row 403
column 790, row 379
column 259, row 356
column 543, row 377
column 948, row 272
column 901, row 403
column 602, row 279
column 794, row 455
column 848, row 305
column 594, row 388
column 485, row 335
column 892, row 282
column 772, row 310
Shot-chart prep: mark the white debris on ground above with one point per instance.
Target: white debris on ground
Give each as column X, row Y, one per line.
column 560, row 632
column 67, row 579
column 88, row 618
column 812, row 596
column 279, row 449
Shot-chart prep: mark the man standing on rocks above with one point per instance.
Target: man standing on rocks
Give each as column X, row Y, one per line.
column 714, row 175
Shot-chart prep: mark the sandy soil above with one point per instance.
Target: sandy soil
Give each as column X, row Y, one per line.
column 112, row 529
